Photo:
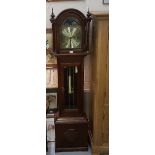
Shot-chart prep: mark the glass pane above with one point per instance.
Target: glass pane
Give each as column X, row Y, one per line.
column 70, row 85
column 70, row 34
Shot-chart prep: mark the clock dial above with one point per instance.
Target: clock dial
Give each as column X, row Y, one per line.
column 70, row 34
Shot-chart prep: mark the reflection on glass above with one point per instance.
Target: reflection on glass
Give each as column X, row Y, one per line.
column 70, row 85
column 70, row 34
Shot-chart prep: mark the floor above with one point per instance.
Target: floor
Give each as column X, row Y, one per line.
column 51, row 151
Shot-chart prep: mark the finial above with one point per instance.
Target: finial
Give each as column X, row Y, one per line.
column 88, row 10
column 52, row 16
column 88, row 15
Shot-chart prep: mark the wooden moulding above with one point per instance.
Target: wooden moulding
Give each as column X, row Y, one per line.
column 104, row 149
column 100, row 14
column 100, row 84
column 51, row 90
column 71, row 120
column 71, row 54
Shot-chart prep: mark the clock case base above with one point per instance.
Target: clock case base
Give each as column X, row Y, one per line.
column 71, row 134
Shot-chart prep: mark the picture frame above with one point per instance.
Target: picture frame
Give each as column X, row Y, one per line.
column 51, row 63
column 51, row 60
column 51, row 98
column 50, row 126
column 49, row 37
column 105, row 1
column 51, row 77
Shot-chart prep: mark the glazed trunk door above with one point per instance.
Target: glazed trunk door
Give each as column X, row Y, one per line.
column 70, row 89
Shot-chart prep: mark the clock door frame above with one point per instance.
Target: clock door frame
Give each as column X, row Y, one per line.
column 69, row 61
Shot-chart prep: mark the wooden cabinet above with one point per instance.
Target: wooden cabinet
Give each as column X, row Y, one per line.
column 100, row 88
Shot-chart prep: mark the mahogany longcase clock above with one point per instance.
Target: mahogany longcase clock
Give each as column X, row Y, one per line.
column 70, row 45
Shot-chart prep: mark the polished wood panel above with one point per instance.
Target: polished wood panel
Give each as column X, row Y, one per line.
column 87, row 74
column 58, row 22
column 100, row 90
column 70, row 61
column 71, row 133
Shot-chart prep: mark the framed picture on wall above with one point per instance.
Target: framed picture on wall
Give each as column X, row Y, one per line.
column 105, row 1
column 50, row 58
column 50, row 130
column 51, row 98
column 49, row 38
column 51, row 77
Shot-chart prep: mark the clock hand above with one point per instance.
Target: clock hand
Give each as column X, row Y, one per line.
column 73, row 32
column 75, row 43
column 68, row 44
column 69, row 32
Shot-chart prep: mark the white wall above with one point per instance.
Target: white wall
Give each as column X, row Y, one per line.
column 94, row 5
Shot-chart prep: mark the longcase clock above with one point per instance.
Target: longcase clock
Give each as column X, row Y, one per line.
column 70, row 45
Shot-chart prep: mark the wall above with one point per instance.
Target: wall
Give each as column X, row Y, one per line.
column 82, row 5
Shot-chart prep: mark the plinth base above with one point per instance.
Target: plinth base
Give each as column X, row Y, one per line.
column 71, row 134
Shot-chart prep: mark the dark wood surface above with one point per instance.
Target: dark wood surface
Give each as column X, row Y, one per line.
column 51, row 90
column 71, row 54
column 70, row 61
column 71, row 125
column 57, row 22
column 71, row 133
